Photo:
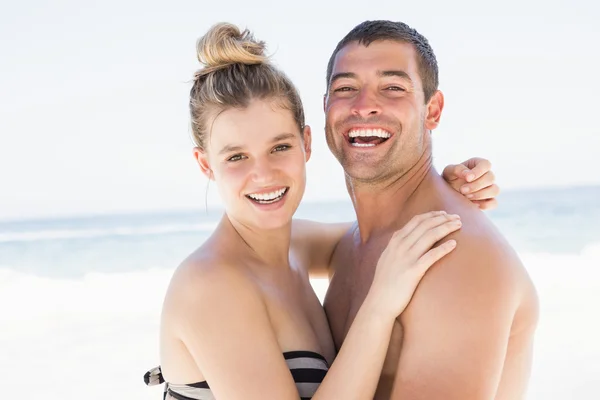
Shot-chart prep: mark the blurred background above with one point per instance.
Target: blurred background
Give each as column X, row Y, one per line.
column 100, row 198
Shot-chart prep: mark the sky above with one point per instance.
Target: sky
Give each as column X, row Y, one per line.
column 93, row 96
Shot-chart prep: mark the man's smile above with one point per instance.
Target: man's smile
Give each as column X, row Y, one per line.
column 367, row 137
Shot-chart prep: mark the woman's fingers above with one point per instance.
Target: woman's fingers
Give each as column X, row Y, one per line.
column 405, row 239
column 399, row 250
column 434, row 255
column 433, row 235
column 414, row 222
column 426, row 225
column 408, row 255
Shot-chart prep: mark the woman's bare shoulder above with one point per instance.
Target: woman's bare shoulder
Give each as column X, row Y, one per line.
column 207, row 276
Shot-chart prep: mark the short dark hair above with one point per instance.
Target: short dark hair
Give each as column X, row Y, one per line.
column 371, row 31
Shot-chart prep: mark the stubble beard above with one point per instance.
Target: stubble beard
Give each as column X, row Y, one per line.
column 401, row 157
column 362, row 169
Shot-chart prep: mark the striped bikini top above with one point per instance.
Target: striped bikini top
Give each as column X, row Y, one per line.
column 308, row 370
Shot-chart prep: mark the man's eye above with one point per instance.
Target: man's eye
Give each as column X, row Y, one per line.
column 344, row 89
column 282, row 147
column 396, row 88
column 236, row 157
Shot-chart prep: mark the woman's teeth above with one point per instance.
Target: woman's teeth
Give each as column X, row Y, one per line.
column 266, row 198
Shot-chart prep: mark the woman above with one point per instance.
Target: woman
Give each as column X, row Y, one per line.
column 240, row 313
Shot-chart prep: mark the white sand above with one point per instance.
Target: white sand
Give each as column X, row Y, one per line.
column 62, row 338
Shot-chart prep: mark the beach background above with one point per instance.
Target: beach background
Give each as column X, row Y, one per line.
column 81, row 297
column 100, row 198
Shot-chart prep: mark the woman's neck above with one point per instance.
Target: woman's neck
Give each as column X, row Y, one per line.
column 269, row 247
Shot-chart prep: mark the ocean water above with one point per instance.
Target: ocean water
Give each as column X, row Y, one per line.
column 81, row 297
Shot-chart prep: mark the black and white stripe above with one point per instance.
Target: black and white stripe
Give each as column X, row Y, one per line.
column 308, row 370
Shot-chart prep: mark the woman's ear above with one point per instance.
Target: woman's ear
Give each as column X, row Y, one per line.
column 202, row 159
column 306, row 134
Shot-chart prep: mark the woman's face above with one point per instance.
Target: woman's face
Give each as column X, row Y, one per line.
column 257, row 156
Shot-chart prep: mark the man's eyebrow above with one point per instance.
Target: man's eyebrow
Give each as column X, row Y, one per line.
column 232, row 148
column 352, row 75
column 398, row 73
column 341, row 75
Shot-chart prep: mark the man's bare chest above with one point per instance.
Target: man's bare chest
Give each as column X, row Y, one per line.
column 354, row 267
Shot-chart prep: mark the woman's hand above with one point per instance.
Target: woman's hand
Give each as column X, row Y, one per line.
column 407, row 257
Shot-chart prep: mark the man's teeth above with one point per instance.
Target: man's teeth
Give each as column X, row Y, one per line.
column 268, row 196
column 369, row 133
column 363, row 144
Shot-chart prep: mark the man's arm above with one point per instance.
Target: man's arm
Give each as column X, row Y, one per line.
column 314, row 243
column 459, row 324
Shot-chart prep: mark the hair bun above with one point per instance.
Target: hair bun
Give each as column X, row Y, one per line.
column 225, row 45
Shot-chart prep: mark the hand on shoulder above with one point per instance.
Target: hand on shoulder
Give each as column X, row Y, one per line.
column 462, row 316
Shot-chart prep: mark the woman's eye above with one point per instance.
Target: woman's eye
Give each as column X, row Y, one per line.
column 236, row 157
column 282, row 147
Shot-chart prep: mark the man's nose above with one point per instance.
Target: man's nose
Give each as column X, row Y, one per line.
column 365, row 104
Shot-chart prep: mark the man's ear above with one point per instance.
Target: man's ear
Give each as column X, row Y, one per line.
column 202, row 159
column 434, row 110
column 325, row 102
column 307, row 136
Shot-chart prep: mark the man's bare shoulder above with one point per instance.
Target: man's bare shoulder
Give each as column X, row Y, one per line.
column 482, row 272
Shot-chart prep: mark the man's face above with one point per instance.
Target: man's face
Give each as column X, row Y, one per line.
column 375, row 110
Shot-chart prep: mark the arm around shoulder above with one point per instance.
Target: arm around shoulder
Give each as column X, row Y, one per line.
column 316, row 241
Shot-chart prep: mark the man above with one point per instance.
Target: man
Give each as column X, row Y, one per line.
column 468, row 331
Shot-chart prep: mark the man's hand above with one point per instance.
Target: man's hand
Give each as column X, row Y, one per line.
column 475, row 180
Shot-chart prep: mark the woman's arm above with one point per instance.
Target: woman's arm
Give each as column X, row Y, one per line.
column 221, row 318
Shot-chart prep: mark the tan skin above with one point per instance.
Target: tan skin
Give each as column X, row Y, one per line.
column 244, row 296
column 468, row 332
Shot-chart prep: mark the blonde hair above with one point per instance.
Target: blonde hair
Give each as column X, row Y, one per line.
column 236, row 71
